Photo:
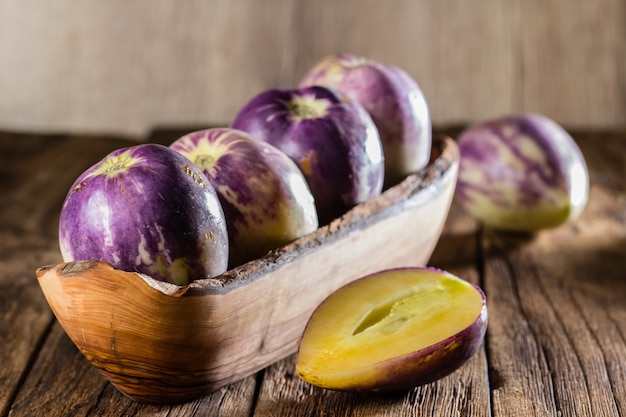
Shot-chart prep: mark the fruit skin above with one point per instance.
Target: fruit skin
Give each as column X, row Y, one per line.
column 409, row 370
column 521, row 172
column 331, row 138
column 265, row 197
column 148, row 209
column 393, row 99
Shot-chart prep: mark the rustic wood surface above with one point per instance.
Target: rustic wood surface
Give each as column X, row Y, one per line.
column 555, row 345
column 125, row 66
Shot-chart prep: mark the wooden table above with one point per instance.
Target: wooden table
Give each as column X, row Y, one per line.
column 555, row 346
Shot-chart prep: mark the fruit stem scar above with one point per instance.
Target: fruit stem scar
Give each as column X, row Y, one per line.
column 115, row 167
column 115, row 164
column 307, row 107
column 205, row 161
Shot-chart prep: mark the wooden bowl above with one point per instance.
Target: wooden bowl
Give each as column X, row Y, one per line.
column 161, row 343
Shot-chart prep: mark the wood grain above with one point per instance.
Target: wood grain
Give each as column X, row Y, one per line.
column 32, row 170
column 46, row 392
column 132, row 66
column 557, row 294
column 571, row 60
column 556, row 341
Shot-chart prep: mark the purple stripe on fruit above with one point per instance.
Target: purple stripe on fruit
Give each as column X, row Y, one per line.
column 521, row 172
column 147, row 209
column 331, row 138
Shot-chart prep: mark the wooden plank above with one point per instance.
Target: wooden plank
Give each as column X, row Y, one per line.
column 551, row 348
column 126, row 66
column 571, row 60
column 27, row 238
column 33, row 170
column 24, row 318
column 519, row 373
column 64, row 383
column 556, row 339
column 460, row 53
column 61, row 383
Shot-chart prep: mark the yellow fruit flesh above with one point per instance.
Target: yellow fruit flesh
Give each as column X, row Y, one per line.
column 382, row 317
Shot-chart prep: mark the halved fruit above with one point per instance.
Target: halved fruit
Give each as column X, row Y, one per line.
column 392, row 330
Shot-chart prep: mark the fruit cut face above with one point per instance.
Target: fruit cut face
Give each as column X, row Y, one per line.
column 392, row 330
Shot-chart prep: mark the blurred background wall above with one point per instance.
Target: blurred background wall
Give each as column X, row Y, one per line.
column 130, row 66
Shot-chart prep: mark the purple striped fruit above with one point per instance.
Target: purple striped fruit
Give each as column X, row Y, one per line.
column 147, row 209
column 521, row 173
column 392, row 330
column 331, row 138
column 393, row 99
column 265, row 197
